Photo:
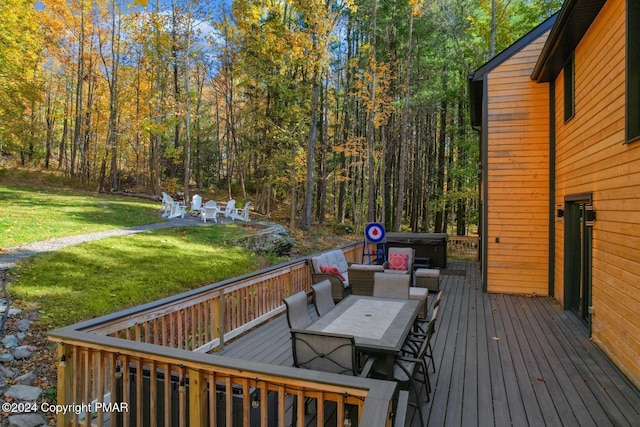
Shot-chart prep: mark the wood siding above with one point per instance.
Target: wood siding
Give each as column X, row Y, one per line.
column 518, row 177
column 591, row 157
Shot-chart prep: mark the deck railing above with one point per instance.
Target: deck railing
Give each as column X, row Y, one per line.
column 156, row 350
column 463, row 247
column 108, row 381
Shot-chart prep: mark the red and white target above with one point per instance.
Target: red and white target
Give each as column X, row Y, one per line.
column 374, row 232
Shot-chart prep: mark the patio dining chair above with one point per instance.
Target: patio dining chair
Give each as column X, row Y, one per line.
column 405, row 370
column 322, row 299
column 416, row 341
column 298, row 316
column 389, row 285
column 326, row 352
column 438, row 299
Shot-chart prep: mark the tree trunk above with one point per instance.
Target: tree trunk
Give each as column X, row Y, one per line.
column 311, row 151
column 77, row 132
column 402, row 164
column 494, row 25
column 322, row 178
column 187, row 144
column 439, row 225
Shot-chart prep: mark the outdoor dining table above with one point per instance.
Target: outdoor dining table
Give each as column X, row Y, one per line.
column 378, row 325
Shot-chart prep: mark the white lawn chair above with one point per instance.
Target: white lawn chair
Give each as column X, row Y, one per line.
column 167, row 201
column 228, row 210
column 210, row 210
column 241, row 214
column 196, row 203
column 177, row 210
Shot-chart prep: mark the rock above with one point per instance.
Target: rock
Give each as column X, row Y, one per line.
column 3, row 382
column 10, row 341
column 9, row 373
column 6, row 358
column 25, row 393
column 23, row 352
column 274, row 239
column 26, row 379
column 21, row 336
column 23, row 325
column 26, row 420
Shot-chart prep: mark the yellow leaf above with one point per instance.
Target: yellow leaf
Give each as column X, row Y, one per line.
column 142, row 3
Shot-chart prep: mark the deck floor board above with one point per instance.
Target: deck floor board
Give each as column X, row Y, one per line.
column 500, row 360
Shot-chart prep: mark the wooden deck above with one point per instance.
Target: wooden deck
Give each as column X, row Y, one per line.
column 500, row 360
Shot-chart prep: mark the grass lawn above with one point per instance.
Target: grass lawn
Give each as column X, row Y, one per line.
column 34, row 211
column 104, row 276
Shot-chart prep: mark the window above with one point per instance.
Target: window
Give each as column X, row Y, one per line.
column 633, row 70
column 569, row 89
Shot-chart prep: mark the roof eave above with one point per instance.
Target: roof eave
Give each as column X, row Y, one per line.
column 513, row 49
column 574, row 19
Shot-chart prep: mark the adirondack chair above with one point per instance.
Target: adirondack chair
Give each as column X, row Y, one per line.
column 167, row 201
column 210, row 210
column 241, row 214
column 196, row 204
column 177, row 210
column 231, row 205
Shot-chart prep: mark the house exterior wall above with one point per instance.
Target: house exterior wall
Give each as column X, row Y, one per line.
column 592, row 157
column 517, row 198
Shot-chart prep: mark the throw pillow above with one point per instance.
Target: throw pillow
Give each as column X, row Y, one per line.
column 329, row 269
column 398, row 261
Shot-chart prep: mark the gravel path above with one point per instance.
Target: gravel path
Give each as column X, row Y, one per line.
column 9, row 256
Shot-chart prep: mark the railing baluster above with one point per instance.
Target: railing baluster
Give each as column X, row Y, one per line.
column 167, row 395
column 182, row 399
column 228, row 402
column 137, row 365
column 153, row 391
column 213, row 409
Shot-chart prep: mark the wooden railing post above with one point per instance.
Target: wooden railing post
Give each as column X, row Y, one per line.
column 65, row 383
column 218, row 318
column 197, row 400
column 288, row 285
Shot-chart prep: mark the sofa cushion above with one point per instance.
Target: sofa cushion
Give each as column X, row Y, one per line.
column 370, row 267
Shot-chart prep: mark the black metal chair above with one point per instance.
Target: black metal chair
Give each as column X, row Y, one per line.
column 298, row 316
column 405, row 368
column 418, row 346
column 322, row 299
column 325, row 352
column 321, row 351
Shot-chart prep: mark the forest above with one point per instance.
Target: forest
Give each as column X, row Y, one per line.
column 341, row 112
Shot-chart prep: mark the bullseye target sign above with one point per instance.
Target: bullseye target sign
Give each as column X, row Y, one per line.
column 374, row 232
